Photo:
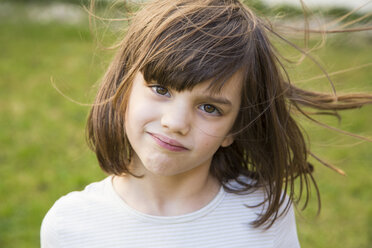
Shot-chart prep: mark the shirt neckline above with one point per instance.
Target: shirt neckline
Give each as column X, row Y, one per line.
column 165, row 219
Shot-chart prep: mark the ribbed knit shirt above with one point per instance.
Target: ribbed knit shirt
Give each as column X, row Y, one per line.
column 98, row 217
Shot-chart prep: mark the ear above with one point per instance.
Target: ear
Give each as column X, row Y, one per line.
column 229, row 139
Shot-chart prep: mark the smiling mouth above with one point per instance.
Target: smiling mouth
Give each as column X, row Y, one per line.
column 169, row 144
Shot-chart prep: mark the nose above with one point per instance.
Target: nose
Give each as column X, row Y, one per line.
column 176, row 118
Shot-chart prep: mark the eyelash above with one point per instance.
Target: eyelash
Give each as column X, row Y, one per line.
column 215, row 112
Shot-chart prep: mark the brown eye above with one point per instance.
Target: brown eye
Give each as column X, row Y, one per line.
column 160, row 90
column 210, row 109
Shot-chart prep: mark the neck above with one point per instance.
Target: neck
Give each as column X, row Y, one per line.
column 168, row 195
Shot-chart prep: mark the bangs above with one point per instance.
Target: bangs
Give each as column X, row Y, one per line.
column 196, row 46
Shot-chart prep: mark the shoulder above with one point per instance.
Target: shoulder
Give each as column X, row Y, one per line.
column 68, row 210
column 251, row 197
column 92, row 193
column 256, row 195
column 284, row 231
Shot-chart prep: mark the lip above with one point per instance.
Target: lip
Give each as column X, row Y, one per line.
column 167, row 143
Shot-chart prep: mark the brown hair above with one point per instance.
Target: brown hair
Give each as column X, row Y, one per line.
column 180, row 43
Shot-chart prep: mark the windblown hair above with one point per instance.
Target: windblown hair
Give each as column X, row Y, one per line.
column 181, row 43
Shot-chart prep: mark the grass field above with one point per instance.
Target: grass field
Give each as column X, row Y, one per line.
column 43, row 154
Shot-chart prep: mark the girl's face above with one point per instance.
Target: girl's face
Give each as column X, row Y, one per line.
column 177, row 132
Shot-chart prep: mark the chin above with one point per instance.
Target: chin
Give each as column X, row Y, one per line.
column 161, row 169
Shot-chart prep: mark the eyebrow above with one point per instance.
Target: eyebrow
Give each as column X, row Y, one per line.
column 219, row 100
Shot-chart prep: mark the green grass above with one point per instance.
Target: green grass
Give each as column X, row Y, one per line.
column 43, row 154
column 42, row 151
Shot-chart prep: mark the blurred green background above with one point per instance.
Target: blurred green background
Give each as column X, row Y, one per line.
column 43, row 154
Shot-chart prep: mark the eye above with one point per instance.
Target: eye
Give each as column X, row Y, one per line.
column 160, row 90
column 210, row 109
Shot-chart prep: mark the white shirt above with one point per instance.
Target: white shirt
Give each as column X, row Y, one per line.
column 98, row 217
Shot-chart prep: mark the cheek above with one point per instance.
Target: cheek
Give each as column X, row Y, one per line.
column 139, row 113
column 213, row 131
column 209, row 143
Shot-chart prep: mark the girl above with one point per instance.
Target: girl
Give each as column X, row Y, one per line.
column 193, row 125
